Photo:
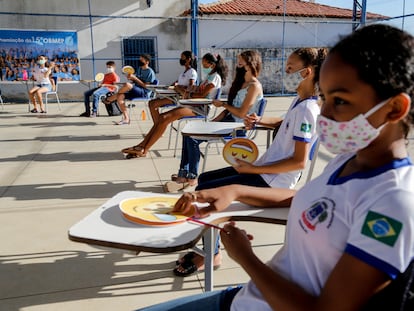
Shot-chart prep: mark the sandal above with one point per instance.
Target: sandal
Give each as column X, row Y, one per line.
column 122, row 122
column 33, row 110
column 188, row 256
column 174, row 187
column 188, row 267
column 131, row 149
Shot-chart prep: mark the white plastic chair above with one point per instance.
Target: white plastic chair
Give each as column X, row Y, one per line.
column 53, row 92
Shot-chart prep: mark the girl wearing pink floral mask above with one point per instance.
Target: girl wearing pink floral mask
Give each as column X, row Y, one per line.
column 349, row 235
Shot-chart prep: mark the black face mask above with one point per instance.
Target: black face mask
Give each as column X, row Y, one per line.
column 140, row 63
column 182, row 62
column 240, row 71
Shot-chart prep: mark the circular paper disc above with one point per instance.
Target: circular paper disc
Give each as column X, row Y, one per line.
column 128, row 70
column 99, row 77
column 240, row 148
column 153, row 211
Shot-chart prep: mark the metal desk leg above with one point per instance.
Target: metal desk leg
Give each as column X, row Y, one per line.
column 209, row 243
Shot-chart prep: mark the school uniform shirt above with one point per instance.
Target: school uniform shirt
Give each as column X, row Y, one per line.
column 186, row 76
column 146, row 76
column 299, row 124
column 109, row 80
column 215, row 79
column 369, row 215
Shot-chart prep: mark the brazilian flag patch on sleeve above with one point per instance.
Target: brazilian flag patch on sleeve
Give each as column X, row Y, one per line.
column 305, row 127
column 381, row 228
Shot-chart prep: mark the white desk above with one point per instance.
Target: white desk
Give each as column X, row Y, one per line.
column 198, row 104
column 106, row 226
column 210, row 129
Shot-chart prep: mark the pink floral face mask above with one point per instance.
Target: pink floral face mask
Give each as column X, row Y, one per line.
column 349, row 136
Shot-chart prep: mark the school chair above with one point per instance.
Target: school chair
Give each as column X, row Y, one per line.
column 178, row 128
column 145, row 100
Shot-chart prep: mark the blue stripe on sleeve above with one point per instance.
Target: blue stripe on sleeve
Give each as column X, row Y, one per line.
column 306, row 140
column 385, row 267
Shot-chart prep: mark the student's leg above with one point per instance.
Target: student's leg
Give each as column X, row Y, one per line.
column 96, row 95
column 155, row 104
column 86, row 101
column 215, row 174
column 254, row 180
column 159, row 128
column 32, row 93
column 39, row 97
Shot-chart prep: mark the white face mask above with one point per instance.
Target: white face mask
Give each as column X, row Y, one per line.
column 293, row 80
column 109, row 69
column 348, row 136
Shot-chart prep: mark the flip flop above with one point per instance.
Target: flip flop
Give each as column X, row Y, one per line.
column 174, row 187
column 132, row 149
column 188, row 267
column 122, row 122
column 188, row 256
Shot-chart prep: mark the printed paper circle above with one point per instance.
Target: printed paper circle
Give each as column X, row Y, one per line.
column 153, row 211
column 99, row 77
column 240, row 148
column 128, row 70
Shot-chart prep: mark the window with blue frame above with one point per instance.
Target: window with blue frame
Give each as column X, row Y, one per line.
column 133, row 47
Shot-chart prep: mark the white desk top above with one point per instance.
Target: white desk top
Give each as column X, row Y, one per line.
column 195, row 101
column 210, row 128
column 165, row 91
column 106, row 226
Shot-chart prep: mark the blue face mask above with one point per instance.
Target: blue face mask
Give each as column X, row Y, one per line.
column 205, row 71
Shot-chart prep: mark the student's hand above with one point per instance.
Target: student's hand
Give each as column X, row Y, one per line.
column 244, row 167
column 251, row 120
column 217, row 103
column 218, row 198
column 236, row 242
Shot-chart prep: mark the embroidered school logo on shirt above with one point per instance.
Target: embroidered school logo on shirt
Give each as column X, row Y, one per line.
column 305, row 127
column 321, row 211
column 381, row 228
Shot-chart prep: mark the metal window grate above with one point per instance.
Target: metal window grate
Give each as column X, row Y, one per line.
column 133, row 47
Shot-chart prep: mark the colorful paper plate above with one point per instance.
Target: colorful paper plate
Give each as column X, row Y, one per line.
column 128, row 70
column 152, row 211
column 99, row 77
column 240, row 148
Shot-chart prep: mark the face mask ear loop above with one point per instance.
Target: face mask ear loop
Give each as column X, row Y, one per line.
column 375, row 108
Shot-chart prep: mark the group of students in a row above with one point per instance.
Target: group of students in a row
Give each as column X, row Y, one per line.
column 349, row 235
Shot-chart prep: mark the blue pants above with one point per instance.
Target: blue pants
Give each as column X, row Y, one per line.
column 96, row 93
column 209, row 301
column 229, row 176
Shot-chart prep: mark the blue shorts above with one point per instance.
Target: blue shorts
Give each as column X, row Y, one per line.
column 135, row 92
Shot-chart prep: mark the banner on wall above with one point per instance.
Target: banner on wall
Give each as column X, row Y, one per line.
column 19, row 50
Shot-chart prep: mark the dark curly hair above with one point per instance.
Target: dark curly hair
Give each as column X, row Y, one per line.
column 383, row 57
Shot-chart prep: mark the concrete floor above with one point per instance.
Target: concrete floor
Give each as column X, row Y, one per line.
column 57, row 168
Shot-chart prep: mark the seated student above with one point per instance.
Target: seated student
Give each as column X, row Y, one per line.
column 244, row 95
column 215, row 71
column 136, row 88
column 349, row 230
column 107, row 85
column 75, row 74
column 281, row 165
column 185, row 81
column 41, row 74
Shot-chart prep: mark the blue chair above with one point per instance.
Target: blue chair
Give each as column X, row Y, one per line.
column 145, row 100
column 185, row 119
